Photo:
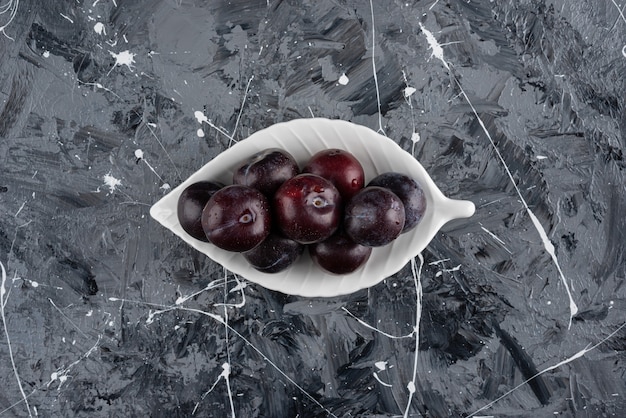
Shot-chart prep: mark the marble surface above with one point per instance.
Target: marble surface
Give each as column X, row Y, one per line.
column 518, row 106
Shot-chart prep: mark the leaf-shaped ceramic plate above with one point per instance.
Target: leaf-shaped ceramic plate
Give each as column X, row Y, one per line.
column 303, row 138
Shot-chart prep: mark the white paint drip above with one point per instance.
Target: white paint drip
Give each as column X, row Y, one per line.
column 150, row 127
column 221, row 320
column 417, row 281
column 224, row 375
column 182, row 299
column 66, row 17
column 550, row 249
column 4, row 298
column 67, row 318
column 621, row 14
column 494, row 236
column 380, row 113
column 343, row 80
column 11, row 8
column 241, row 285
column 380, row 381
column 438, row 53
column 139, row 156
column 366, row 325
column 243, row 102
column 408, row 92
column 577, row 355
column 201, row 118
column 63, row 374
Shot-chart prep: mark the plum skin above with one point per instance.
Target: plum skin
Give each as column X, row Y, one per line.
column 374, row 217
column 237, row 218
column 340, row 167
column 266, row 170
column 307, row 208
column 274, row 254
column 339, row 254
column 191, row 202
column 409, row 192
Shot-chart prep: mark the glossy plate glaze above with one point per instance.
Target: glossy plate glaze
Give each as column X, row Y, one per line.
column 302, row 138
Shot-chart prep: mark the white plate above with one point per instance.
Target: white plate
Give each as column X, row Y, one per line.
column 302, row 138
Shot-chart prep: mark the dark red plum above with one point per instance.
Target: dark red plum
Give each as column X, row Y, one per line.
column 374, row 217
column 236, row 218
column 274, row 254
column 409, row 192
column 341, row 168
column 191, row 202
column 339, row 254
column 266, row 170
column 307, row 208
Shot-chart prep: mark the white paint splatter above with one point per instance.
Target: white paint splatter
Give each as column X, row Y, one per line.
column 409, row 91
column 46, row 54
column 224, row 375
column 343, row 80
column 138, row 154
column 111, row 182
column 62, row 374
column 99, row 28
column 381, row 365
column 200, row 117
column 200, row 133
column 434, row 45
column 411, row 387
column 126, row 58
column 541, row 157
column 415, row 137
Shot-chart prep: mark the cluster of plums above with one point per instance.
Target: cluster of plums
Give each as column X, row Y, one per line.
column 273, row 210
